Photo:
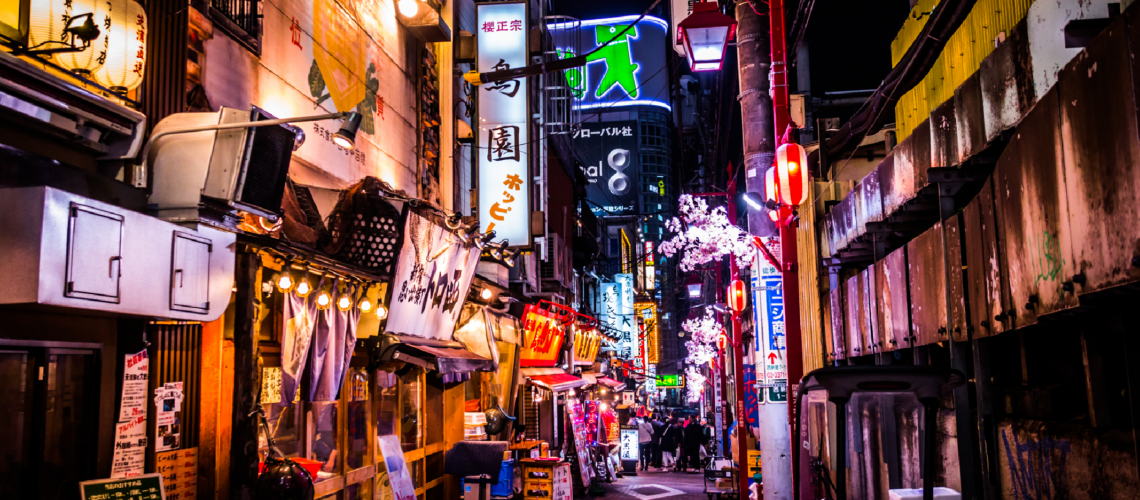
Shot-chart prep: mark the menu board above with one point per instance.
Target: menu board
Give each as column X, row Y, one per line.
column 581, row 441
column 179, row 471
column 629, row 443
column 144, row 487
column 563, row 488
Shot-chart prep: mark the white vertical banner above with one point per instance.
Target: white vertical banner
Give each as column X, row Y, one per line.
column 680, row 10
column 504, row 179
column 630, row 334
column 771, row 341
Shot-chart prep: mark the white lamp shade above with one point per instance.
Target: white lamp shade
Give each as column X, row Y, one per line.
column 706, row 47
column 88, row 61
column 47, row 18
column 126, row 53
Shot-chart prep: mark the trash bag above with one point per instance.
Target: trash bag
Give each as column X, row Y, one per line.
column 284, row 479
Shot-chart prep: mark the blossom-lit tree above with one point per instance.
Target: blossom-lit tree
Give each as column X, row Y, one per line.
column 703, row 236
column 703, row 334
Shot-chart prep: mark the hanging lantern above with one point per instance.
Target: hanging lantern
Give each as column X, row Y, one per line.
column 126, row 50
column 706, row 33
column 48, row 18
column 737, row 295
column 772, row 192
column 792, row 174
column 693, row 284
column 87, row 62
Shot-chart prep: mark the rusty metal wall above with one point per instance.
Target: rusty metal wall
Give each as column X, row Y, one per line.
column 955, row 279
column 927, row 286
column 838, row 317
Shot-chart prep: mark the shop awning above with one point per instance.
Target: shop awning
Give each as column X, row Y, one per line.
column 560, row 382
column 611, row 383
column 441, row 355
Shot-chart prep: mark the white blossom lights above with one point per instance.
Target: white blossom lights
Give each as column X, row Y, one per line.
column 704, row 236
column 703, row 333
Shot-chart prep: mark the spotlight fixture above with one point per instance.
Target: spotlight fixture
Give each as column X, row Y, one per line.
column 346, row 136
column 509, row 257
column 487, row 237
column 497, row 250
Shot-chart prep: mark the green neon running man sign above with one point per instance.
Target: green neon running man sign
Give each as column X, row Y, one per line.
column 620, row 70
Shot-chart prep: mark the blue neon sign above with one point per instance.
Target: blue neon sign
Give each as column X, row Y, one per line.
column 630, row 71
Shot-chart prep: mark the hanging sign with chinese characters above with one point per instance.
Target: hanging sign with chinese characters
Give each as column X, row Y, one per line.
column 542, row 337
column 630, row 349
column 586, row 345
column 504, row 201
column 771, row 342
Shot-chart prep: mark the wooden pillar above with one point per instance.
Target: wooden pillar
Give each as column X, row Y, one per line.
column 243, row 448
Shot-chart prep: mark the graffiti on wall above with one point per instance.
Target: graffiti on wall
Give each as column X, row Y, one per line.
column 1036, row 468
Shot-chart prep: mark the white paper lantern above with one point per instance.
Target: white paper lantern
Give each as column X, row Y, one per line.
column 126, row 52
column 85, row 63
column 48, row 18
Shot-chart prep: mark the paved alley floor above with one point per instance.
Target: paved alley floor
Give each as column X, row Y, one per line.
column 657, row 485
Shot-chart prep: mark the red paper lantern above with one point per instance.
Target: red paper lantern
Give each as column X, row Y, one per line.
column 737, row 295
column 792, row 174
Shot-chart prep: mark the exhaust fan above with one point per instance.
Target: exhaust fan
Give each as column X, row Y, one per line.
column 219, row 170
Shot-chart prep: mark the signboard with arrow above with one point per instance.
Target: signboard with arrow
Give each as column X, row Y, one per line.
column 771, row 341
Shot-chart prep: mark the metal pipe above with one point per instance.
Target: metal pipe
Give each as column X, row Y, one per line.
column 930, row 408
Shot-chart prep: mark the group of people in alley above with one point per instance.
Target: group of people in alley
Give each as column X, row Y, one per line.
column 672, row 443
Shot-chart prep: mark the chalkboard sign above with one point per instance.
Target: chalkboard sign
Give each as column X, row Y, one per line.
column 144, row 487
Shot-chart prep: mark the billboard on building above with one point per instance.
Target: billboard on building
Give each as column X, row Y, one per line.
column 608, row 154
column 630, row 71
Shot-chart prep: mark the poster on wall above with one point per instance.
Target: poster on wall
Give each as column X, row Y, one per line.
column 611, row 163
column 629, row 71
column 168, row 421
column 135, row 369
column 398, row 476
column 130, row 448
column 771, row 341
column 504, row 185
column 434, row 274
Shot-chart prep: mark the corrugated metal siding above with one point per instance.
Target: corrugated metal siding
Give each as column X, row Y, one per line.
column 961, row 57
column 177, row 352
column 811, row 314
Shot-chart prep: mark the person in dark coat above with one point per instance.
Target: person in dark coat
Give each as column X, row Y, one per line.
column 658, row 430
column 694, row 437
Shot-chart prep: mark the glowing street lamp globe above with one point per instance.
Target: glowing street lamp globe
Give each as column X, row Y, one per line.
column 706, row 33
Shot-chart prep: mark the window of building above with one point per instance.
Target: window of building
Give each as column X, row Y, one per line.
column 241, row 19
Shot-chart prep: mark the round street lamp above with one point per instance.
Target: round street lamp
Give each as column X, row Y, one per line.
column 706, row 33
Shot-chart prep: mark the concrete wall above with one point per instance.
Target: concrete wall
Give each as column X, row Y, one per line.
column 1043, row 461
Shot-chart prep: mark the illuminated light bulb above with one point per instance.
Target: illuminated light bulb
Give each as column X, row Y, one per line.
column 571, row 393
column 344, row 303
column 485, row 294
column 408, row 8
column 303, row 288
column 381, row 311
column 284, row 282
column 603, row 407
column 365, row 304
column 323, row 299
column 793, row 166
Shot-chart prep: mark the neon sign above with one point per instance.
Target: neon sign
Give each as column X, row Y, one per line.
column 630, row 71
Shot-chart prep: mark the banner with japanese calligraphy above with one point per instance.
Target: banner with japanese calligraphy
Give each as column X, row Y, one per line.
column 771, row 342
column 586, row 345
column 504, row 184
column 630, row 348
column 327, row 56
column 543, row 334
column 612, row 164
column 432, row 278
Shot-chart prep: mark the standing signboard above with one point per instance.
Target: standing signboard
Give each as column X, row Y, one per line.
column 611, row 163
column 771, row 341
column 504, row 178
column 581, row 441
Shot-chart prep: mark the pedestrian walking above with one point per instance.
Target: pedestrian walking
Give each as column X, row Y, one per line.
column 694, row 435
column 658, row 430
column 670, row 441
column 645, row 442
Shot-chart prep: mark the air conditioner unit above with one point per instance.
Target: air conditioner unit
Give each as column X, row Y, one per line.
column 197, row 173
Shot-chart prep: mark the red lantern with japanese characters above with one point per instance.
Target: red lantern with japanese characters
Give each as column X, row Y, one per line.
column 792, row 178
column 737, row 295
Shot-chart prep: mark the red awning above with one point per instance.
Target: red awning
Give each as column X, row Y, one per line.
column 559, row 382
column 611, row 383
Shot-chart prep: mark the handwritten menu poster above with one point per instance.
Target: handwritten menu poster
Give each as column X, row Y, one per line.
column 179, row 471
column 129, row 456
column 563, row 488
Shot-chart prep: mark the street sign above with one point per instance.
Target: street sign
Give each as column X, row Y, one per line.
column 768, row 316
column 673, row 381
column 144, row 487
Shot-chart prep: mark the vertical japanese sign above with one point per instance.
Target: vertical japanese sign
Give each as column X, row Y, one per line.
column 504, row 186
column 630, row 334
column 771, row 342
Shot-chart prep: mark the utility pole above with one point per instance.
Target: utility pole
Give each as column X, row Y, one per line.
column 760, row 46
